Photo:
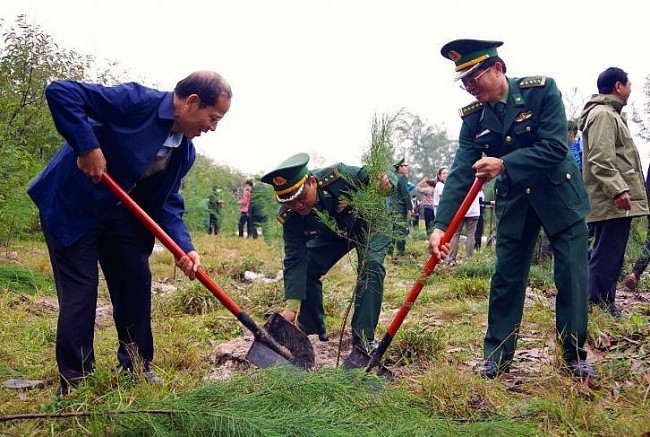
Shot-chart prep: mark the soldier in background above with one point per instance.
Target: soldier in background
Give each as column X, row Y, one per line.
column 400, row 205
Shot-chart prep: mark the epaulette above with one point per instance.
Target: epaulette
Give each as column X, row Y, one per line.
column 330, row 177
column 470, row 109
column 532, row 82
column 284, row 214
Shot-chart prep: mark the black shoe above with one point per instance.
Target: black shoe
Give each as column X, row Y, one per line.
column 134, row 376
column 580, row 369
column 607, row 307
column 491, row 370
column 324, row 337
column 611, row 309
column 66, row 386
column 614, row 311
column 62, row 391
column 151, row 377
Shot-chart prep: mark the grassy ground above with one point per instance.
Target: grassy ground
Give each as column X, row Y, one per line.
column 435, row 354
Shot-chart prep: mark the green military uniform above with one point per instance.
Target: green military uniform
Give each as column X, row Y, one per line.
column 311, row 248
column 541, row 187
column 400, row 204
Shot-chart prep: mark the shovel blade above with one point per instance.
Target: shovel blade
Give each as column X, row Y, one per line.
column 359, row 359
column 287, row 335
column 263, row 356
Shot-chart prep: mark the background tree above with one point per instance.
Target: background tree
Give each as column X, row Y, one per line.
column 641, row 116
column 426, row 147
column 29, row 60
column 573, row 103
column 198, row 186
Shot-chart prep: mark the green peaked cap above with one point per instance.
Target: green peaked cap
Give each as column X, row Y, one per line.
column 288, row 179
column 467, row 53
column 399, row 162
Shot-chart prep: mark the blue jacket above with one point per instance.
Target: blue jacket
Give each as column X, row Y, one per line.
column 130, row 123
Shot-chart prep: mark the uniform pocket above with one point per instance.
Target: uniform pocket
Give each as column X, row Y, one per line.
column 568, row 185
column 524, row 128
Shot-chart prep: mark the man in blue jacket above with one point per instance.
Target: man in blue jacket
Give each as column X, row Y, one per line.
column 142, row 137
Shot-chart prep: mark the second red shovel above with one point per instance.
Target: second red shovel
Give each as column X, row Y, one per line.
column 359, row 358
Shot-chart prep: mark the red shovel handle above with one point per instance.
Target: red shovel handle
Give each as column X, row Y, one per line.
column 428, row 268
column 433, row 260
column 166, row 240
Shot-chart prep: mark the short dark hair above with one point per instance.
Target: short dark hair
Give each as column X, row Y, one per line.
column 491, row 61
column 608, row 78
column 573, row 126
column 208, row 85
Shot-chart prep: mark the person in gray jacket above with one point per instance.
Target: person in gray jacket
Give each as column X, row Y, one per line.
column 614, row 178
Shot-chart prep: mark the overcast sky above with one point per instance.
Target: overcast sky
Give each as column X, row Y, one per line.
column 308, row 76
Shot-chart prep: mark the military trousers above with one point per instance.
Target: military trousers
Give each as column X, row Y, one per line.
column 400, row 232
column 508, row 289
column 368, row 293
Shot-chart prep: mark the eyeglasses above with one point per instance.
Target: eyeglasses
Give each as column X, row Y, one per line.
column 472, row 82
column 214, row 120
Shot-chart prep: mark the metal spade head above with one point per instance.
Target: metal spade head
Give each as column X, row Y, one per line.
column 287, row 335
column 359, row 359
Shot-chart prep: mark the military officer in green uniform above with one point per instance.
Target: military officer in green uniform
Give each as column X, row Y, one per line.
column 312, row 246
column 515, row 131
column 401, row 207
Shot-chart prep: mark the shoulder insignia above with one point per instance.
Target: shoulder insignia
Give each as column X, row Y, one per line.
column 328, row 178
column 532, row 82
column 284, row 214
column 470, row 109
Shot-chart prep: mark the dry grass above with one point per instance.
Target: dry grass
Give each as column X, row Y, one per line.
column 436, row 353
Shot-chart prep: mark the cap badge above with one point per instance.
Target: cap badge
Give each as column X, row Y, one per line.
column 279, row 180
column 454, row 55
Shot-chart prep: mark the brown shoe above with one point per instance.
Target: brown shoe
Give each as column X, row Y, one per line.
column 631, row 282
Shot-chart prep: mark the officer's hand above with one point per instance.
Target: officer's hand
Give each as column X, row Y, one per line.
column 435, row 249
column 289, row 316
column 622, row 201
column 384, row 183
column 189, row 264
column 92, row 164
column 488, row 167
